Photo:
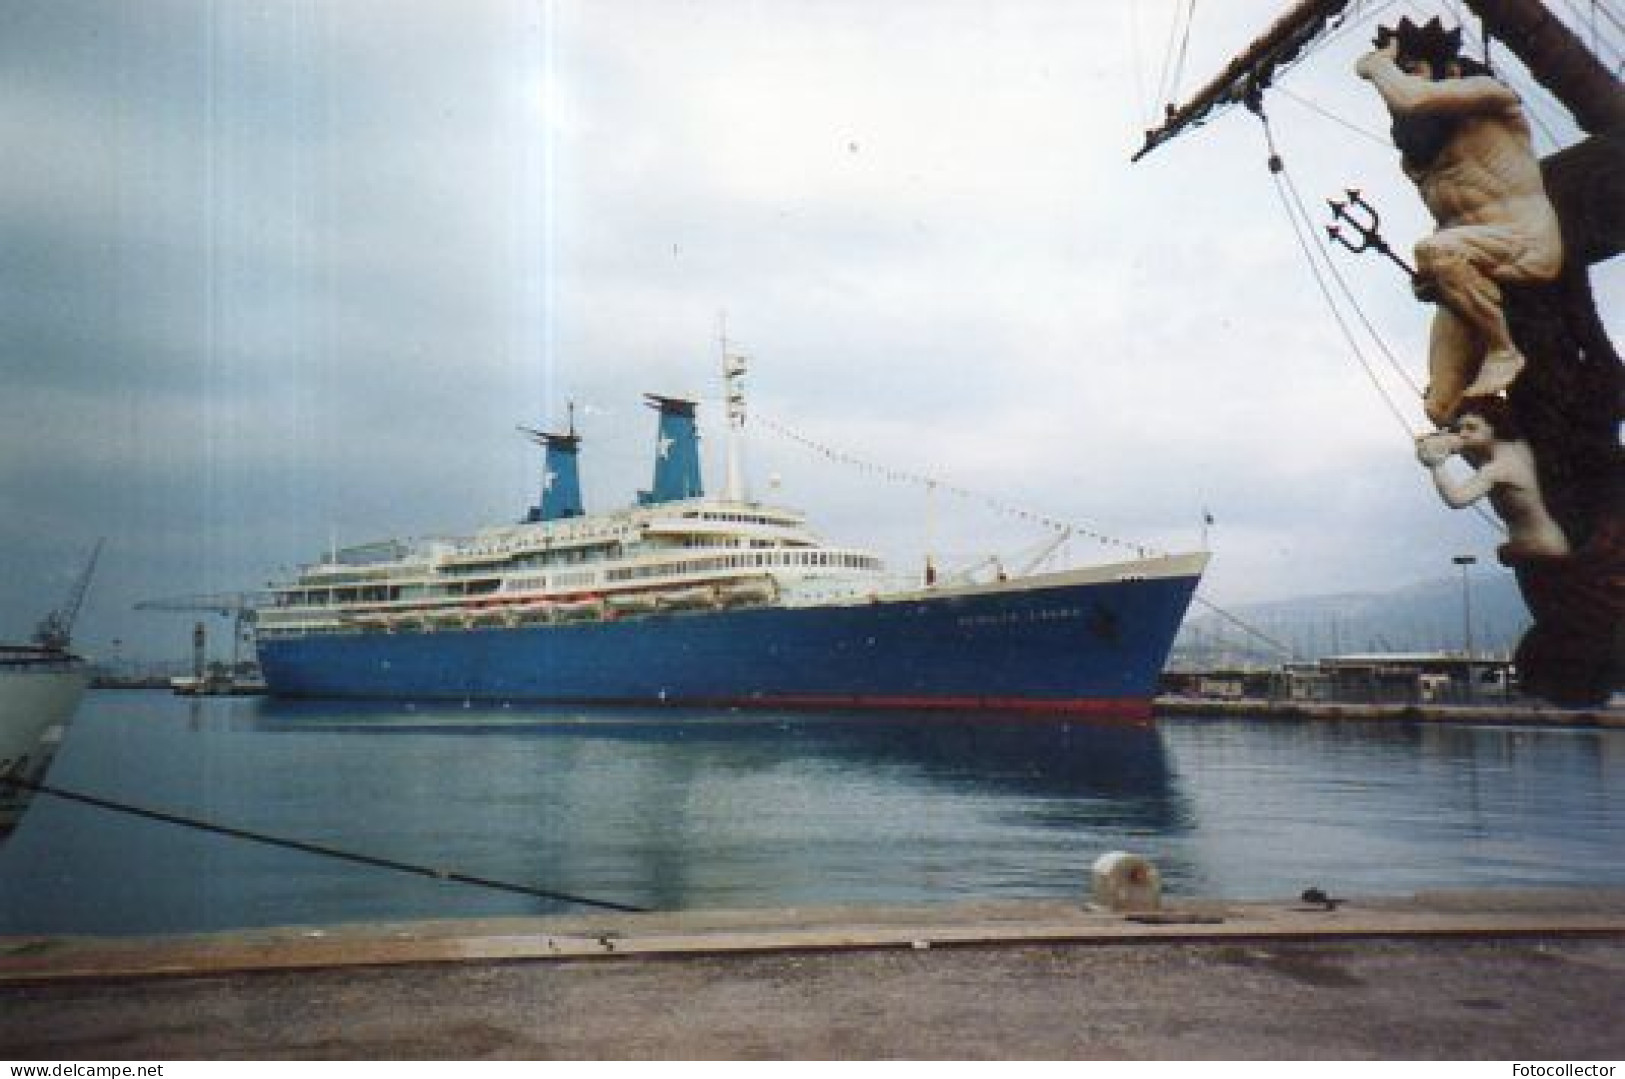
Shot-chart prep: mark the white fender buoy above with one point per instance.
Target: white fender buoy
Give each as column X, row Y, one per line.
column 1126, row 882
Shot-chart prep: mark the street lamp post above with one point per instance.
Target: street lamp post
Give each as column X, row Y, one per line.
column 1465, row 560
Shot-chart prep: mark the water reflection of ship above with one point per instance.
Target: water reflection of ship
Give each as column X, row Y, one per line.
column 1126, row 764
column 639, row 806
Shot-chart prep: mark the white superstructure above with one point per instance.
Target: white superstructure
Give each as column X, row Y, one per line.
column 690, row 554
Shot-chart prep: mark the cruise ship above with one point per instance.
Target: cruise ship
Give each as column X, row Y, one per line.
column 687, row 599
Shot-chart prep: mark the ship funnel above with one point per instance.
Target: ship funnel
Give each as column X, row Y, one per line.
column 677, row 453
column 561, row 481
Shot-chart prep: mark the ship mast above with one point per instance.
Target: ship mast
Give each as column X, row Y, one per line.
column 733, row 392
column 1251, row 72
column 1555, row 57
column 1558, row 60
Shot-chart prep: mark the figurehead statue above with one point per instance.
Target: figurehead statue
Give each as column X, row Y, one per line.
column 1465, row 142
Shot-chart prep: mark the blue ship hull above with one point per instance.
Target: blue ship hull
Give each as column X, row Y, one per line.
column 1093, row 647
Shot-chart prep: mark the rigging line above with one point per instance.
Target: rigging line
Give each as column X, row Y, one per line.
column 310, row 848
column 1168, row 48
column 1591, row 19
column 995, row 504
column 1161, row 98
column 1265, row 70
column 1348, row 26
column 1357, row 129
column 1286, row 650
column 1343, row 286
column 1276, row 168
column 1612, row 17
column 1148, row 108
column 1536, row 103
column 1184, row 47
column 1342, row 325
column 1342, row 283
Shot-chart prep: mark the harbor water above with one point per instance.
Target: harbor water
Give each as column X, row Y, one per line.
column 675, row 809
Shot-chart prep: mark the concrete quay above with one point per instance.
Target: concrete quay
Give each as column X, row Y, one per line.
column 1480, row 975
column 1486, row 714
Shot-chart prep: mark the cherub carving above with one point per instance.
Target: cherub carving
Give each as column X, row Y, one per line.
column 1487, row 437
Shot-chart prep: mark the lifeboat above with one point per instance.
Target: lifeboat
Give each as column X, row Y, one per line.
column 633, row 603
column 580, row 610
column 688, row 599
column 749, row 593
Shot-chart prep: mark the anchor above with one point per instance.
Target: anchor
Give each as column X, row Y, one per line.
column 1370, row 238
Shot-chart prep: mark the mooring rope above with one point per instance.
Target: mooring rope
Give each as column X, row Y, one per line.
column 1284, row 649
column 313, row 848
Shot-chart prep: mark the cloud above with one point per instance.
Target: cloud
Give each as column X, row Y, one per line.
column 275, row 272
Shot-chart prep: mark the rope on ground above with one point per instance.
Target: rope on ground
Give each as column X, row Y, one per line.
column 312, row 848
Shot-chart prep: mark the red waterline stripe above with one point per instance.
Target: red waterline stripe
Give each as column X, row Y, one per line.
column 1132, row 710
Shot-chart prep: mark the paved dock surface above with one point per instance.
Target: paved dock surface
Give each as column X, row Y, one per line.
column 1481, row 975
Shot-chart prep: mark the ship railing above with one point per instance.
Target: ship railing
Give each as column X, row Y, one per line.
column 38, row 660
column 717, row 589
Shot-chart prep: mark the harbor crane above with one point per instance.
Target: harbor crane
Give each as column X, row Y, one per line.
column 239, row 606
column 55, row 630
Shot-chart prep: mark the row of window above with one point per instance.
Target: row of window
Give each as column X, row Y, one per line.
column 381, row 593
column 373, row 593
column 322, row 597
column 739, row 518
column 759, row 560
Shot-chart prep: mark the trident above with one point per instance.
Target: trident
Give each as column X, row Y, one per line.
column 1370, row 238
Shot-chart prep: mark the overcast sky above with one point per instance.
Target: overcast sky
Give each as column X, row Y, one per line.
column 276, row 274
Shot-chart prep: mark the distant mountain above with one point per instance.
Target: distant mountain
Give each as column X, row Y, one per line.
column 1424, row 617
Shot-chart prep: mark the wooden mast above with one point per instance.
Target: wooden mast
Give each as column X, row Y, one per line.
column 1569, row 401
column 1558, row 60
column 1250, row 72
